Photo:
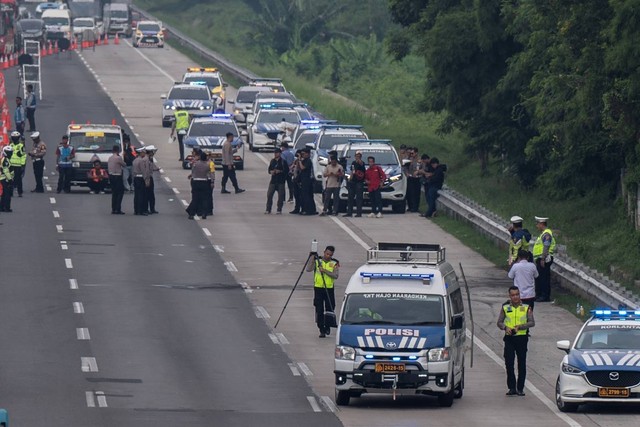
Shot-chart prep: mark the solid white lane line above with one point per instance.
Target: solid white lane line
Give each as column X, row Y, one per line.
column 68, row 263
column 184, row 202
column 166, row 178
column 83, row 333
column 263, row 158
column 64, row 246
column 350, row 232
column 314, row 404
column 73, row 284
column 206, row 231
column 261, row 312
column 52, row 200
column 218, row 248
column 231, row 266
column 102, row 399
column 274, row 339
column 328, row 403
column 59, row 228
column 294, row 370
column 175, row 190
column 305, row 369
column 56, row 214
column 167, row 75
column 282, row 338
column 89, row 364
column 91, row 403
column 78, row 308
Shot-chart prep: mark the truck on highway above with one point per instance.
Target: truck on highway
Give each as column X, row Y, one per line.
column 402, row 326
column 91, row 141
column 117, row 19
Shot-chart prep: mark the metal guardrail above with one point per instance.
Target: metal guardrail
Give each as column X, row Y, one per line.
column 572, row 274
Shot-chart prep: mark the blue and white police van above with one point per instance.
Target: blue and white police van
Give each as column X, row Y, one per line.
column 401, row 329
column 603, row 363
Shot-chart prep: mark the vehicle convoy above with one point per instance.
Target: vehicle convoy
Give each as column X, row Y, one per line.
column 90, row 141
column 117, row 19
column 85, row 9
column 402, row 326
column 149, row 33
column 394, row 188
column 603, row 364
column 210, row 77
column 193, row 97
column 58, row 24
column 209, row 133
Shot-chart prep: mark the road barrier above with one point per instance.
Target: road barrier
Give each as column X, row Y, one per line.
column 568, row 273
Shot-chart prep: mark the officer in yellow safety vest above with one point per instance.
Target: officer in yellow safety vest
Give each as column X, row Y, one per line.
column 180, row 126
column 18, row 160
column 325, row 273
column 543, row 251
column 6, row 178
column 515, row 319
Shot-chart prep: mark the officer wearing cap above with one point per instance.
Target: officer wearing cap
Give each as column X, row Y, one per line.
column 140, row 172
column 37, row 154
column 116, row 166
column 543, row 251
column 520, row 238
column 150, row 187
column 180, row 126
column 6, row 179
column 288, row 157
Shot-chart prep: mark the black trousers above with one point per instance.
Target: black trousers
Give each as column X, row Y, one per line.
column 97, row 187
column 323, row 300
column 516, row 346
column 209, row 198
column 413, row 194
column 64, row 179
column 7, row 193
column 139, row 196
column 356, row 194
column 181, row 146
column 38, row 173
column 199, row 198
column 543, row 281
column 31, row 117
column 306, row 197
column 150, row 195
column 117, row 192
column 18, row 171
column 297, row 195
column 291, row 187
column 229, row 173
column 279, row 187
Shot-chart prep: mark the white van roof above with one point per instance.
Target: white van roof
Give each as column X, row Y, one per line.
column 56, row 13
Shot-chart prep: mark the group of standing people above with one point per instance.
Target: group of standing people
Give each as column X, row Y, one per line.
column 422, row 172
column 13, row 162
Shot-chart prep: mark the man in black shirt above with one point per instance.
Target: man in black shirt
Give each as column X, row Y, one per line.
column 306, row 184
column 128, row 155
column 355, row 185
column 279, row 171
column 435, row 180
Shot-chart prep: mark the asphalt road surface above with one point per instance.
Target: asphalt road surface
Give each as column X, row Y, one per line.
column 180, row 313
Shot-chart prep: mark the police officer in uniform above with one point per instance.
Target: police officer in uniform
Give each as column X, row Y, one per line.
column 115, row 167
column 515, row 319
column 140, row 173
column 325, row 272
column 543, row 251
column 6, row 179
column 18, row 160
column 37, row 156
column 180, row 126
column 151, row 188
column 520, row 238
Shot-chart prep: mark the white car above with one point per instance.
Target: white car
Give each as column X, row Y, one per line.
column 88, row 28
column 149, row 33
column 602, row 365
column 245, row 97
column 265, row 128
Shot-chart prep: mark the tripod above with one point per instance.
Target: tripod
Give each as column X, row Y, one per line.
column 313, row 255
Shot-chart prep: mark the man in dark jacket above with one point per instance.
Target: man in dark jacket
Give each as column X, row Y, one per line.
column 435, row 180
column 279, row 170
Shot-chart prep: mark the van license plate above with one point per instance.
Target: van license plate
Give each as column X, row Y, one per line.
column 613, row 392
column 390, row 368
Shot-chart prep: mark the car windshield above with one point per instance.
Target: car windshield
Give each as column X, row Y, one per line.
column 304, row 139
column 212, row 129
column 56, row 20
column 328, row 140
column 393, row 308
column 304, row 114
column 83, row 23
column 210, row 81
column 383, row 157
column 150, row 28
column 119, row 14
column 278, row 116
column 247, row 96
column 30, row 25
column 189, row 93
column 95, row 141
column 610, row 337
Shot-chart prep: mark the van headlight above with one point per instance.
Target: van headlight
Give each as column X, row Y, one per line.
column 75, row 164
column 395, row 178
column 440, row 354
column 571, row 370
column 344, row 352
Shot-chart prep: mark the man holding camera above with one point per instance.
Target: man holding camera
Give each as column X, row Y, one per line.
column 325, row 273
column 515, row 319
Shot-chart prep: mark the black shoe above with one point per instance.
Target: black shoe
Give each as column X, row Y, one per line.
column 154, row 212
column 520, row 392
column 327, row 331
column 358, row 216
column 511, row 392
column 203, row 217
column 144, row 214
column 322, row 335
column 240, row 190
column 119, row 213
column 347, row 215
column 294, row 212
column 225, row 192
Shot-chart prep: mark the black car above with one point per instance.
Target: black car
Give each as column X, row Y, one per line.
column 30, row 29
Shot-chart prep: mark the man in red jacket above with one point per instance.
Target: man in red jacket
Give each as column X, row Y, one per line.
column 374, row 176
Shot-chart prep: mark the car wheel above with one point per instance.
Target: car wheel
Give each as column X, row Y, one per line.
column 166, row 124
column 446, row 400
column 399, row 207
column 564, row 406
column 160, row 46
column 342, row 398
column 459, row 389
column 254, row 149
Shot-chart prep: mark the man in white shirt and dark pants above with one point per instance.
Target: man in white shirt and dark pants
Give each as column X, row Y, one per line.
column 524, row 275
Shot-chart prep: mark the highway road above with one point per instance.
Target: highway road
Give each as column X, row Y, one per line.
column 176, row 316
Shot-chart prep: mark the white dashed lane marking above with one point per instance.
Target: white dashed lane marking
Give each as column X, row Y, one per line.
column 314, row 404
column 59, row 228
column 88, row 364
column 56, row 214
column 68, row 263
column 261, row 312
column 52, row 200
column 73, row 284
column 207, row 232
column 78, row 308
column 231, row 266
column 83, row 334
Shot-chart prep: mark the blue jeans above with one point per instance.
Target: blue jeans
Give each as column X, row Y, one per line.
column 376, row 201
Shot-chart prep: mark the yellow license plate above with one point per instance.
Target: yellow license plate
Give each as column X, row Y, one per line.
column 613, row 392
column 390, row 368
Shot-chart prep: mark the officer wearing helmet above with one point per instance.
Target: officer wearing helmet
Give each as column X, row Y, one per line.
column 288, row 157
column 6, row 179
column 18, row 160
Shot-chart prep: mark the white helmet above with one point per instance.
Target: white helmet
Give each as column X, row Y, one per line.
column 15, row 134
column 7, row 149
column 35, row 135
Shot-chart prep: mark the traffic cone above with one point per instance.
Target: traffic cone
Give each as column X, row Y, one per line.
column 5, row 64
column 98, row 42
column 116, row 40
column 12, row 60
column 43, row 52
column 113, row 122
column 50, row 48
column 106, row 39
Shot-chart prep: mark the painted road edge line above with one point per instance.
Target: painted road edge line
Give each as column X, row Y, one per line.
column 314, row 404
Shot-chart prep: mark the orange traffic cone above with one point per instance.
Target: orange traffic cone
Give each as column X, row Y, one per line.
column 43, row 52
column 98, row 42
column 50, row 48
column 116, row 40
column 113, row 122
column 106, row 39
column 12, row 60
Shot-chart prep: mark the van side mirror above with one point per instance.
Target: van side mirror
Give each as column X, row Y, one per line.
column 457, row 322
column 163, row 96
column 564, row 345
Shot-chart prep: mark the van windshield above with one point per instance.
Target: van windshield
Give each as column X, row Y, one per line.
column 95, row 142
column 56, row 20
column 393, row 309
column 119, row 14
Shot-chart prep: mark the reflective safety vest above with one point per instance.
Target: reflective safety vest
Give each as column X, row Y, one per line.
column 6, row 174
column 321, row 280
column 514, row 316
column 182, row 119
column 538, row 247
column 18, row 158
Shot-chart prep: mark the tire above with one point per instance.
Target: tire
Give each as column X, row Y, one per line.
column 166, row 124
column 240, row 166
column 446, row 400
column 458, row 391
column 160, row 46
column 254, row 149
column 564, row 406
column 399, row 207
column 342, row 398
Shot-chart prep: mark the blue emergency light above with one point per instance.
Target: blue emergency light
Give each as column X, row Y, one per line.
column 329, row 126
column 198, row 83
column 407, row 276
column 607, row 314
column 221, row 116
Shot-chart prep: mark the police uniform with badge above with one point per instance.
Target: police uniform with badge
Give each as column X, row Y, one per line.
column 515, row 319
column 18, row 160
column 180, row 126
column 6, row 179
column 543, row 251
column 326, row 270
column 520, row 238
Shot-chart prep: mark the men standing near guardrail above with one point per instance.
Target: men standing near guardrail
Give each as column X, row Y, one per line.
column 520, row 238
column 543, row 251
column 524, row 274
column 413, row 180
